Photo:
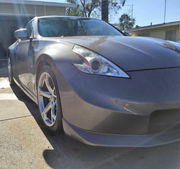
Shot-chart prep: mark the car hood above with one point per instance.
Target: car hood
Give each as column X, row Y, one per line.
column 132, row 53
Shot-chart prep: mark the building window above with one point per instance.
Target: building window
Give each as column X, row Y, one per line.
column 170, row 35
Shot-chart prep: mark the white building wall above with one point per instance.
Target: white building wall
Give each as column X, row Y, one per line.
column 32, row 10
column 160, row 32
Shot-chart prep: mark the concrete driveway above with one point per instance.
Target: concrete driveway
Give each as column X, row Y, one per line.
column 24, row 143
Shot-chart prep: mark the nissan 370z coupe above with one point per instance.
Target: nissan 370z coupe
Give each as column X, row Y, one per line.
column 97, row 85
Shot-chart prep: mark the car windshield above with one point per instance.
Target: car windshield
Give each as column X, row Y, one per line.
column 57, row 27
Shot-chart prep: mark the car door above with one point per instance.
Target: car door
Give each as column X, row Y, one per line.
column 25, row 57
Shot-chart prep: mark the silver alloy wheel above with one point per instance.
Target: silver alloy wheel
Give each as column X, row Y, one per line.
column 47, row 99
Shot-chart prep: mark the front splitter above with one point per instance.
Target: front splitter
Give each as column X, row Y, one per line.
column 167, row 136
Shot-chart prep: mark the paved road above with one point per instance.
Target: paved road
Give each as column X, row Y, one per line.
column 24, row 143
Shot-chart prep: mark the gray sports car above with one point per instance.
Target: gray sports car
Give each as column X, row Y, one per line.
column 97, row 85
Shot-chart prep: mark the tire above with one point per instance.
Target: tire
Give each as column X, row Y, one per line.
column 10, row 73
column 48, row 98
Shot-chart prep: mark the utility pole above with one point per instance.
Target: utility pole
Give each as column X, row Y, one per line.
column 105, row 10
column 131, row 13
column 164, row 11
column 132, row 10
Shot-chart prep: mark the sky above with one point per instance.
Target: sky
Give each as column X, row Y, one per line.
column 146, row 11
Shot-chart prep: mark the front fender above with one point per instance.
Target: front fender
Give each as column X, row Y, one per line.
column 59, row 56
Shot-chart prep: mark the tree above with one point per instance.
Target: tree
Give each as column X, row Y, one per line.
column 105, row 10
column 74, row 11
column 126, row 22
column 88, row 7
column 112, row 4
column 83, row 7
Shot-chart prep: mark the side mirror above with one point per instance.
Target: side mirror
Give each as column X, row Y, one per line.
column 21, row 34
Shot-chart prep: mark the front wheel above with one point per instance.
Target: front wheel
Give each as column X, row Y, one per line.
column 49, row 99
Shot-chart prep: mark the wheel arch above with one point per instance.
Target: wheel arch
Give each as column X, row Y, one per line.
column 43, row 59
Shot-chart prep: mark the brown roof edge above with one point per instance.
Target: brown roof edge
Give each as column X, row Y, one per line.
column 155, row 26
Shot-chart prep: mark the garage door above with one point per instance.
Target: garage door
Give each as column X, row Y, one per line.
column 8, row 24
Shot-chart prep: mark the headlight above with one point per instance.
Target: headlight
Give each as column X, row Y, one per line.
column 96, row 64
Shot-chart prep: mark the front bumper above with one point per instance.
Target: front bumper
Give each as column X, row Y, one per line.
column 110, row 111
column 170, row 135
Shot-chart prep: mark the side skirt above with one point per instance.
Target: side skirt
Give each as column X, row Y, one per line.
column 26, row 91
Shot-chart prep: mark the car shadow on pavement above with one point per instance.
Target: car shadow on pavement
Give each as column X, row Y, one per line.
column 68, row 153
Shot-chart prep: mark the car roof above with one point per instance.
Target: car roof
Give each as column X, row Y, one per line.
column 57, row 16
